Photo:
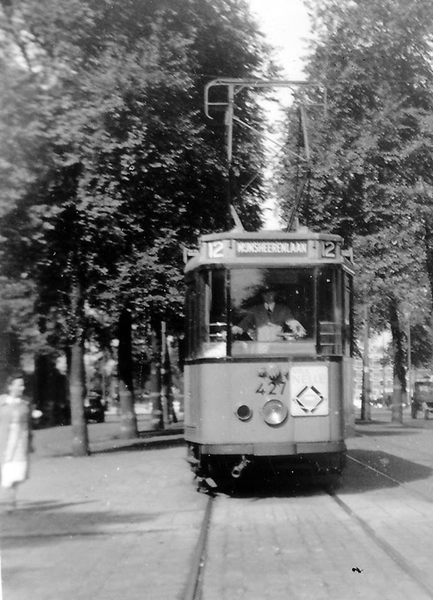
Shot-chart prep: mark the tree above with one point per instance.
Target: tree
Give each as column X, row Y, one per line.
column 128, row 170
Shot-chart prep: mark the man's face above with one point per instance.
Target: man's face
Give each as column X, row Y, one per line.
column 269, row 296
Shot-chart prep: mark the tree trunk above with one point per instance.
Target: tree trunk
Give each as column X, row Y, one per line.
column 77, row 392
column 76, row 373
column 10, row 351
column 164, row 375
column 399, row 387
column 155, row 382
column 128, row 419
column 50, row 392
column 170, row 398
column 428, row 241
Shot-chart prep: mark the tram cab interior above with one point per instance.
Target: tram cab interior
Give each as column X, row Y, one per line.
column 220, row 300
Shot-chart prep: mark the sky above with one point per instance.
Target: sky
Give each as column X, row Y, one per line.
column 285, row 24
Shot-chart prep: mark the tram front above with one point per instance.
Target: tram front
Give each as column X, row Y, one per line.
column 268, row 366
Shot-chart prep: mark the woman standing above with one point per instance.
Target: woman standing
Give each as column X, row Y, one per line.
column 15, row 436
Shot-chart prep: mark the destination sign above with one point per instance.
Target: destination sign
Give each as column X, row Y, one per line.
column 272, row 248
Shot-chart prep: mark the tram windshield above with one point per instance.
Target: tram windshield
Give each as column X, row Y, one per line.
column 271, row 311
column 270, row 307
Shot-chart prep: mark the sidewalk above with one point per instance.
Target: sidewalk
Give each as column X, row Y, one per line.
column 105, row 437
column 122, row 522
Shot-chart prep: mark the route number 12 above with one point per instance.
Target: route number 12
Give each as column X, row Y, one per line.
column 216, row 249
column 329, row 250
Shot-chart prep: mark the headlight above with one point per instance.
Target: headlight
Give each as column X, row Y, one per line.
column 244, row 412
column 274, row 412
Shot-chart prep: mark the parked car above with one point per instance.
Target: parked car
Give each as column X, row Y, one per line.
column 94, row 407
column 422, row 399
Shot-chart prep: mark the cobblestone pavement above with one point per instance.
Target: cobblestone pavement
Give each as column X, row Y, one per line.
column 123, row 523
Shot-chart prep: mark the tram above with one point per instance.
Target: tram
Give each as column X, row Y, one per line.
column 261, row 391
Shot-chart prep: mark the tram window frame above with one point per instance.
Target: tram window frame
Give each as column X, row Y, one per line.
column 331, row 332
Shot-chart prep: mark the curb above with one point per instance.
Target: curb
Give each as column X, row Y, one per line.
column 146, row 439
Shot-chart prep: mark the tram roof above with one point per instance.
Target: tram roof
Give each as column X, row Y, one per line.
column 301, row 233
column 270, row 248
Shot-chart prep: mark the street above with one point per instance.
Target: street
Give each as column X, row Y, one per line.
column 125, row 521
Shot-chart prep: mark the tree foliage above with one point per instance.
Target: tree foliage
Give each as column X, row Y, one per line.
column 124, row 169
column 111, row 165
column 371, row 155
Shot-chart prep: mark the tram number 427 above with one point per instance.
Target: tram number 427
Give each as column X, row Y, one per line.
column 271, row 388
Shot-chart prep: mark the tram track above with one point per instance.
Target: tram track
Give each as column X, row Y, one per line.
column 193, row 588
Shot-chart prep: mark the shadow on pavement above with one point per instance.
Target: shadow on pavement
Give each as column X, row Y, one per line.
column 357, row 478
column 388, row 432
column 154, row 443
column 33, row 525
column 46, row 505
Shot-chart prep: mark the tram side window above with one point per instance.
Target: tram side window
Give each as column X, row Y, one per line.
column 329, row 312
column 347, row 307
column 192, row 322
column 217, row 306
column 207, row 315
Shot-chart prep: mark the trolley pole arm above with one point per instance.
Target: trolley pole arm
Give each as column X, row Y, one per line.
column 229, row 124
column 234, row 86
column 303, row 114
column 298, row 200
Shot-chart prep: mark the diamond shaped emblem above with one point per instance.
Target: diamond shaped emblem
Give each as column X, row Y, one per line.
column 309, row 399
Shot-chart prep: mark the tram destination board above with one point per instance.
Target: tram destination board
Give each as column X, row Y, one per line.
column 313, row 247
column 271, row 247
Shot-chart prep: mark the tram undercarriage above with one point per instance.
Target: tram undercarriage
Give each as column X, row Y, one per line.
column 221, row 467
